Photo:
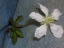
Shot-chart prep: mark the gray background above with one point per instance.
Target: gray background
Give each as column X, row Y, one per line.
column 25, row 7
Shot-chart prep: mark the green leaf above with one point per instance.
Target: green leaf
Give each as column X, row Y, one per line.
column 14, row 28
column 12, row 21
column 19, row 34
column 19, row 18
column 14, row 37
column 18, row 25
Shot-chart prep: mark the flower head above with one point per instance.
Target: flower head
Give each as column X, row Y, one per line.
column 46, row 21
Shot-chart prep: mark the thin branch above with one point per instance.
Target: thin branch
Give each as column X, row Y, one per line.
column 22, row 26
column 27, row 24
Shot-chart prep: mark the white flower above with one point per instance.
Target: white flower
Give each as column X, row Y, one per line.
column 57, row 30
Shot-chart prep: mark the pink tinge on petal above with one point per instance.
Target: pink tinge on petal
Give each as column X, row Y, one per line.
column 57, row 35
column 57, row 30
column 56, row 14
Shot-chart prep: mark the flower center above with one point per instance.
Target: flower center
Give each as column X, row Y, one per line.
column 47, row 20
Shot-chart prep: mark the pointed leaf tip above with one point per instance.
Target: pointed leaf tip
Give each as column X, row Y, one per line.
column 19, row 18
column 12, row 21
column 14, row 37
column 19, row 34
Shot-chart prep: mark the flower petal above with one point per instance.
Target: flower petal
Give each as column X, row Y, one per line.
column 36, row 16
column 57, row 30
column 44, row 9
column 40, row 31
column 56, row 14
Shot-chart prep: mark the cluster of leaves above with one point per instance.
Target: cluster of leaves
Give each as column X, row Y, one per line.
column 15, row 32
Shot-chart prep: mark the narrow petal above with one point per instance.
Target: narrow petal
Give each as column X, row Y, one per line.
column 44, row 9
column 57, row 30
column 56, row 14
column 36, row 16
column 40, row 31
